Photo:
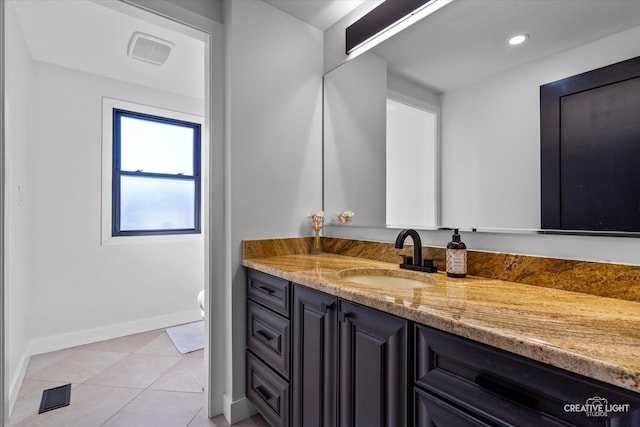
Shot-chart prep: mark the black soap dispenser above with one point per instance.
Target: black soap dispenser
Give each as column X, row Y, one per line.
column 456, row 256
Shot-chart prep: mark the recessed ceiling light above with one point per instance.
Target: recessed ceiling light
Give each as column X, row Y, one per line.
column 518, row 39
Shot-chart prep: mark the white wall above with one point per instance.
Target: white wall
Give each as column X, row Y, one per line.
column 273, row 147
column 83, row 290
column 355, row 111
column 18, row 202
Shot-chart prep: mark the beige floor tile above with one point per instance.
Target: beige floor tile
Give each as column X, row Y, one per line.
column 76, row 367
column 135, row 370
column 186, row 375
column 161, row 345
column 197, row 353
column 91, row 406
column 255, row 421
column 158, row 409
column 201, row 420
column 126, row 344
column 39, row 361
column 109, row 378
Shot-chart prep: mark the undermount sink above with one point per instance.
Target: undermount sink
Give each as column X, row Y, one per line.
column 383, row 278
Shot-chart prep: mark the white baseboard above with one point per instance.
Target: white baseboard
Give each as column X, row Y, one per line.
column 16, row 382
column 86, row 336
column 235, row 411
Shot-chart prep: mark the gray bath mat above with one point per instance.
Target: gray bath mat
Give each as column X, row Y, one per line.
column 188, row 337
column 54, row 398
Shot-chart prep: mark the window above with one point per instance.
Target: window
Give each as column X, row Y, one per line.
column 156, row 175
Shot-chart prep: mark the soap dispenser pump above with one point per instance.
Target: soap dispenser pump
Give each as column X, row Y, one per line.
column 456, row 256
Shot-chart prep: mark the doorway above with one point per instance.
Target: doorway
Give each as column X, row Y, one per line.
column 13, row 365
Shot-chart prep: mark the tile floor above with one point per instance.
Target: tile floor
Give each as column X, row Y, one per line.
column 139, row 380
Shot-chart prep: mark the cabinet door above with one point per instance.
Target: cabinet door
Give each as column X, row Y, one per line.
column 314, row 358
column 373, row 367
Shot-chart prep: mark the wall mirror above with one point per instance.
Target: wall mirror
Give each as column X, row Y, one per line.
column 482, row 170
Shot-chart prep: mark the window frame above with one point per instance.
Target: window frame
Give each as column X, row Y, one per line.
column 117, row 173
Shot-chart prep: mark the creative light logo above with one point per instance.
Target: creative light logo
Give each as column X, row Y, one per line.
column 597, row 407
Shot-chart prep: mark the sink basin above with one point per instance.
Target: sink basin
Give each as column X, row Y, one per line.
column 382, row 278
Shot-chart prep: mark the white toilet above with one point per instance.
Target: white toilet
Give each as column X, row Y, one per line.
column 201, row 302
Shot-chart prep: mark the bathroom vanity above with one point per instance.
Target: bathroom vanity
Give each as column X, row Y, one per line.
column 324, row 350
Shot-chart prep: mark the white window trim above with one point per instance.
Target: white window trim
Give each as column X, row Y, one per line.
column 108, row 105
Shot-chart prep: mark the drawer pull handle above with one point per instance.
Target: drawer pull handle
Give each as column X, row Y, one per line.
column 263, row 336
column 265, row 290
column 505, row 391
column 264, row 393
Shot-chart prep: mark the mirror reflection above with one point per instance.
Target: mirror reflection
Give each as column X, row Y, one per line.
column 484, row 168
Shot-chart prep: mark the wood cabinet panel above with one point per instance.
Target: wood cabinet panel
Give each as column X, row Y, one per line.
column 431, row 411
column 268, row 337
column 373, row 367
column 268, row 391
column 507, row 389
column 270, row 291
column 314, row 358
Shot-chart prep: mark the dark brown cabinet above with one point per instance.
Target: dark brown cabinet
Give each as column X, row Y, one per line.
column 317, row 360
column 459, row 382
column 430, row 411
column 268, row 355
column 373, row 371
column 268, row 391
column 349, row 363
column 315, row 349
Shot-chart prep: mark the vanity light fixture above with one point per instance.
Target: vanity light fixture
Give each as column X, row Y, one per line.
column 386, row 20
column 518, row 39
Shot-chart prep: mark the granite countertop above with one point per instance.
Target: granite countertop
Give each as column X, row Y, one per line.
column 593, row 336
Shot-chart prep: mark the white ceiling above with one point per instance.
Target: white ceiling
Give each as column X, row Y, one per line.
column 319, row 13
column 93, row 37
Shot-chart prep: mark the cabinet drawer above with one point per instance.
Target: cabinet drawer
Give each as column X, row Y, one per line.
column 434, row 412
column 269, row 291
column 268, row 392
column 493, row 382
column 268, row 337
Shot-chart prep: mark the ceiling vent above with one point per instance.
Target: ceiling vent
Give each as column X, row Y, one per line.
column 149, row 48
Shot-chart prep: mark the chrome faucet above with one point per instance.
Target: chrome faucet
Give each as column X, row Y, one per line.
column 415, row 262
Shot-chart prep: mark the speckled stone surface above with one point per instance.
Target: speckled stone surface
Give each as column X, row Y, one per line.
column 586, row 334
column 273, row 247
column 595, row 278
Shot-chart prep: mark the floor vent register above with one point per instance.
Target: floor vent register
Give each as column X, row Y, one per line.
column 54, row 398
